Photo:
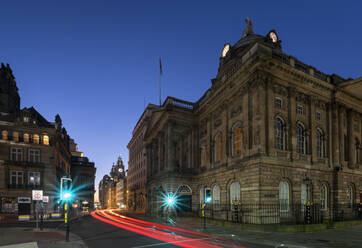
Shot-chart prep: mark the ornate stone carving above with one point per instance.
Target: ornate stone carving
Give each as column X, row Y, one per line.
column 236, row 110
column 217, row 122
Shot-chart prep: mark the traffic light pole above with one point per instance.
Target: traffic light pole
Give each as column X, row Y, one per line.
column 66, row 219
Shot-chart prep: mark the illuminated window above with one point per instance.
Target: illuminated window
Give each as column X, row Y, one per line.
column 279, row 134
column 36, row 139
column 26, row 119
column 284, row 196
column 34, row 179
column 26, row 138
column 34, row 155
column 4, row 135
column 46, row 140
column 237, row 141
column 324, row 197
column 16, row 154
column 16, row 136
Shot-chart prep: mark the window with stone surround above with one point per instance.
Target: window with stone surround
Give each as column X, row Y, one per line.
column 324, row 197
column 16, row 136
column 34, row 155
column 16, row 154
column 203, row 156
column 278, row 102
column 300, row 110
column 234, row 193
column 301, row 141
column 236, row 140
column 218, row 148
column 216, row 196
column 318, row 116
column 350, row 196
column 45, row 139
column 320, row 143
column 284, row 196
column 280, row 134
column 356, row 152
column 34, row 179
column 16, row 177
column 26, row 138
column 36, row 139
column 4, row 135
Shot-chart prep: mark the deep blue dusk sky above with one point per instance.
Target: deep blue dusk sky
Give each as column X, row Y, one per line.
column 94, row 62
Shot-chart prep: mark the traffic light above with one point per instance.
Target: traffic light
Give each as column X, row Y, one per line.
column 170, row 200
column 208, row 195
column 66, row 189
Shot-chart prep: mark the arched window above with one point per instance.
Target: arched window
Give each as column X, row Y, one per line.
column 218, row 148
column 350, row 196
column 234, row 192
column 4, row 135
column 279, row 134
column 301, row 146
column 236, row 138
column 16, row 136
column 45, row 139
column 320, row 143
column 324, row 197
column 284, row 196
column 36, row 139
column 26, row 138
column 216, row 196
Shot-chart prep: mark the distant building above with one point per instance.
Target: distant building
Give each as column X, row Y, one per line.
column 34, row 153
column 112, row 188
column 137, row 164
column 83, row 176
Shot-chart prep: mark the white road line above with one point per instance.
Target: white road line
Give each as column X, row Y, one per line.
column 23, row 245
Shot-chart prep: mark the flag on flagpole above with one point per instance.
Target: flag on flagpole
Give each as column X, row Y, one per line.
column 159, row 58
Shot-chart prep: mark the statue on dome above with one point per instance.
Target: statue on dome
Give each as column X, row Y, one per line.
column 248, row 29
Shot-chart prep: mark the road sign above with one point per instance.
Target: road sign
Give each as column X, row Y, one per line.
column 45, row 199
column 24, row 200
column 37, row 195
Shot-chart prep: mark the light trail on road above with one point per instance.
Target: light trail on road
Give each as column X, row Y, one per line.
column 171, row 235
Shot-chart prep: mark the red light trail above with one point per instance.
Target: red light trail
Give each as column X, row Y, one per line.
column 172, row 235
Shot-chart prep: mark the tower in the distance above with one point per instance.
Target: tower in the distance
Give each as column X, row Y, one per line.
column 9, row 96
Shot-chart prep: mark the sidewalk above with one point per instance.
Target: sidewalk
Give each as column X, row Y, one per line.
column 33, row 238
column 346, row 237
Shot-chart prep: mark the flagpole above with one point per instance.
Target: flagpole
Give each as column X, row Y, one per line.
column 159, row 79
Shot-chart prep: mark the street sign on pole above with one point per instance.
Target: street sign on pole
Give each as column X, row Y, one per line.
column 45, row 199
column 37, row 195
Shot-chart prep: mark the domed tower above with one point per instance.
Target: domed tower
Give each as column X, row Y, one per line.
column 9, row 96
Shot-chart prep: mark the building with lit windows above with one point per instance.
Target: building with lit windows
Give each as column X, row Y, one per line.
column 34, row 153
column 271, row 130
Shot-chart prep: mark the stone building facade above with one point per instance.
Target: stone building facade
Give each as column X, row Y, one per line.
column 270, row 130
column 137, row 166
column 34, row 153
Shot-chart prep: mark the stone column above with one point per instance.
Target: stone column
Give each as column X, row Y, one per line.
column 335, row 135
column 170, row 148
column 350, row 139
column 292, row 142
column 311, row 123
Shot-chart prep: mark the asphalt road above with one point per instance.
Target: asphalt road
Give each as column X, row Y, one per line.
column 96, row 233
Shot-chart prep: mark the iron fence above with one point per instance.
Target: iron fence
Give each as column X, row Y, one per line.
column 280, row 214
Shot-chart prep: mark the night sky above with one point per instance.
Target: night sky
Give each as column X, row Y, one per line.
column 96, row 62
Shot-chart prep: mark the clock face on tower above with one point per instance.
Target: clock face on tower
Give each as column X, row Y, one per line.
column 225, row 50
column 273, row 36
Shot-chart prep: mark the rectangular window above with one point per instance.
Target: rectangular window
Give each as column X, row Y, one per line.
column 34, row 178
column 355, row 127
column 278, row 102
column 300, row 110
column 16, row 154
column 34, row 155
column 318, row 116
column 16, row 177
